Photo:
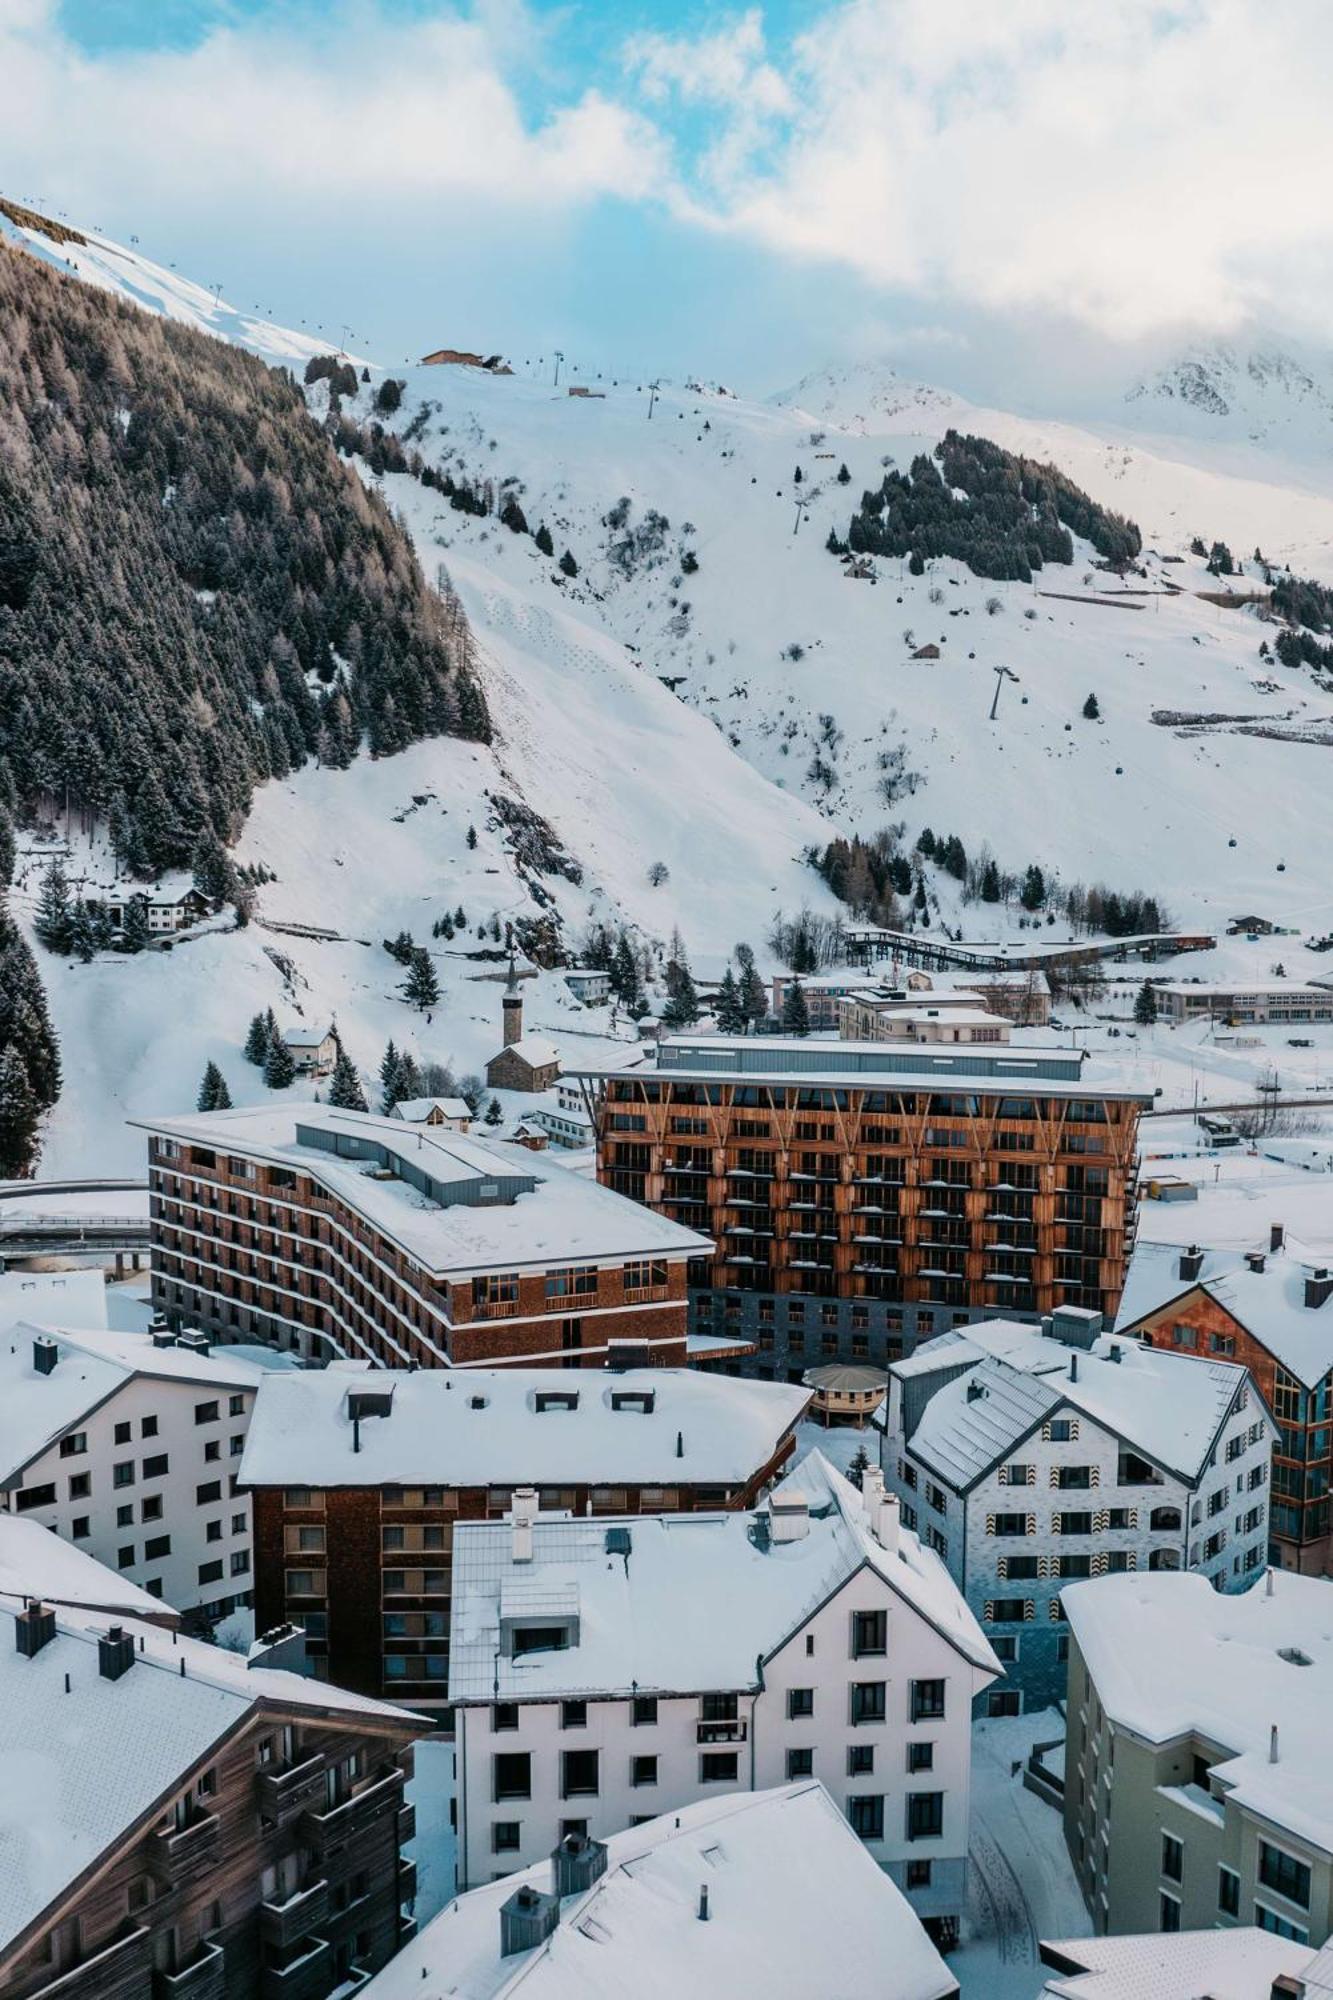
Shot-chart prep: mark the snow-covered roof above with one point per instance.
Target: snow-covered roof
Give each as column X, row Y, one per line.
column 792, row 1894
column 413, row 1109
column 306, row 1038
column 91, row 1364
column 35, row 1562
column 67, row 1298
column 1227, row 1668
column 82, row 1768
column 698, row 1601
column 1167, row 1406
column 1239, row 1964
column 1211, row 989
column 564, row 1218
column 534, row 1050
column 485, row 1427
column 1269, row 1303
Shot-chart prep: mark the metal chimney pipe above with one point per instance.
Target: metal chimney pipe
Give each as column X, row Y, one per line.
column 703, row 1902
column 1272, row 1744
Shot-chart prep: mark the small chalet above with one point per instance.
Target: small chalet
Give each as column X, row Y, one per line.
column 588, row 983
column 166, row 912
column 451, row 1113
column 313, row 1050
column 526, row 1062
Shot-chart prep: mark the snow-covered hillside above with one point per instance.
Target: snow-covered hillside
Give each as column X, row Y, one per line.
column 1265, row 395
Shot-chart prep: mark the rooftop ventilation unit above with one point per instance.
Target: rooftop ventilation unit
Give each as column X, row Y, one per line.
column 162, row 1336
column 45, row 1354
column 1191, row 1262
column 369, row 1403
column 618, row 1542
column 527, row 1920
column 1256, row 1259
column 576, row 1863
column 194, row 1341
column 1318, row 1288
column 789, row 1517
column 34, row 1626
column 1277, row 1236
column 115, row 1653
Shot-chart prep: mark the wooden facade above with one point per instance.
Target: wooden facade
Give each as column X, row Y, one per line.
column 367, row 1571
column 256, row 1251
column 970, row 1196
column 274, row 1871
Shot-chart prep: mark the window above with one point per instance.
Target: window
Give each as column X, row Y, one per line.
column 505, row 1836
column 151, row 1508
column 210, row 1572
column 81, row 1528
column 1073, row 1524
column 213, row 1531
column 643, row 1711
column 1173, row 1858
column 1017, row 1474
column 800, row 1763
column 717, row 1708
column 1003, row 1701
column 147, row 1427
column 80, row 1486
column 800, row 1703
column 155, row 1467
column 865, row 1815
column 921, row 1756
column 212, row 1450
column 1168, row 1912
column 1071, row 1478
column 206, row 1413
column 1269, row 1920
column 240, row 1562
column 1284, row 1874
column 125, row 1557
column 1007, row 1524
column 123, row 1474
column 211, row 1490
column 925, row 1815
column 918, row 1874
column 1228, row 1892
column 643, row 1770
column 1007, row 1610
column 1060, row 1430
column 573, row 1715
column 236, row 1406
column 860, row 1760
column 156, row 1547
column 578, row 1774
column 511, row 1775
column 870, row 1633
column 238, row 1524
column 868, row 1704
column 74, row 1445
column 123, row 1433
column 124, row 1517
column 927, row 1701
column 719, row 1767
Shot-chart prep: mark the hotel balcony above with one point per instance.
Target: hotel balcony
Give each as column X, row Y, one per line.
column 204, row 1978
column 285, row 1793
column 307, row 1976
column 178, row 1854
column 335, row 1824
column 285, row 1923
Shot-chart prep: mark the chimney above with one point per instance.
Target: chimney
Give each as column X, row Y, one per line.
column 1116, row 1352
column 976, row 1392
column 522, row 1514
column 512, row 1007
column 1191, row 1262
column 1256, row 1259
column 576, row 1863
column 1277, row 1236
column 34, row 1626
column 1272, row 1745
column 45, row 1354
column 788, row 1517
column 888, row 1522
column 1286, row 1986
column 703, row 1902
column 162, row 1336
column 1073, row 1367
column 195, row 1341
column 1318, row 1287
column 527, row 1920
column 115, row 1653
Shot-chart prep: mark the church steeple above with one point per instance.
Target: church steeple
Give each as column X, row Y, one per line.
column 513, row 1008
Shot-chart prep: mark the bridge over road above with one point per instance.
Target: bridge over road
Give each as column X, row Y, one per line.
column 99, row 1219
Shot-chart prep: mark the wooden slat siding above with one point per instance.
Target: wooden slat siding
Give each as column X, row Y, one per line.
column 101, row 1901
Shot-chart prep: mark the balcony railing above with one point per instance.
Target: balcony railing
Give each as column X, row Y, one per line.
column 179, row 1853
column 495, row 1308
column 286, row 1923
column 117, row 1972
column 721, row 1732
column 306, row 1977
column 284, row 1793
column 407, row 1823
column 407, row 1880
column 204, row 1978
column 354, row 1814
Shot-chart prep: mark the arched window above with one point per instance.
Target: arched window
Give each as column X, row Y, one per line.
column 1164, row 1519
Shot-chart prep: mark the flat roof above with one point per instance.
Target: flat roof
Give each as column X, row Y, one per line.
column 487, row 1427
column 1225, row 1667
column 699, row 1600
column 564, row 1219
column 1239, row 1964
column 790, row 1884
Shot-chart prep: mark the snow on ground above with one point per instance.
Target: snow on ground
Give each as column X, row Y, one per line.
column 1021, row 1885
column 435, row 1847
column 840, row 1443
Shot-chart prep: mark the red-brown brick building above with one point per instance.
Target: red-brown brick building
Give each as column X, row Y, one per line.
column 335, row 1233
column 359, row 1477
column 1272, row 1309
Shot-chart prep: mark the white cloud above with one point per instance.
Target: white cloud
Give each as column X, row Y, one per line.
column 1134, row 167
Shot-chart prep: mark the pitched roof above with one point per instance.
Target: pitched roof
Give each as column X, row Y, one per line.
column 485, row 1427
column 35, row 1562
column 83, row 1767
column 534, row 1050
column 1228, row 1667
column 699, row 1599
column 791, row 1891
column 1268, row 1303
column 1167, row 1406
column 413, row 1109
column 1236, row 1964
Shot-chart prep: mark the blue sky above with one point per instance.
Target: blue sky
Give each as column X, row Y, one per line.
column 1027, row 202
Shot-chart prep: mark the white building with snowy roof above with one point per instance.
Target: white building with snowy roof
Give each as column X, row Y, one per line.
column 1244, row 1963
column 761, row 1892
column 603, row 1672
column 1030, row 1457
column 1199, row 1753
column 127, row 1445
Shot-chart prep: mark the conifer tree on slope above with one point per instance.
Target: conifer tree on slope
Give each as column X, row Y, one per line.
column 1145, row 1006
column 257, row 1041
column 213, row 1092
column 345, row 1085
column 795, row 1012
column 51, row 923
column 279, row 1066
column 421, row 988
column 391, row 1088
column 728, row 1011
column 19, row 1115
column 134, row 931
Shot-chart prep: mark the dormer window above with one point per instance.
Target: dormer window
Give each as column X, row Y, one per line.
column 555, row 1399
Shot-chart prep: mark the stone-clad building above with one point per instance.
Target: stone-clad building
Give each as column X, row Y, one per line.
column 336, row 1233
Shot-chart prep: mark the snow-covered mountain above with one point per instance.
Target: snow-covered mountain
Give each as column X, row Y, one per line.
column 1263, row 394
column 711, row 690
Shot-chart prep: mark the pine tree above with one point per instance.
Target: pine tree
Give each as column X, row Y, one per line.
column 625, row 982
column 844, row 476
column 7, row 850
column 134, row 931
column 345, row 1085
column 990, row 883
column 80, row 935
column 257, row 1041
column 859, row 1466
column 391, row 1084
column 471, row 841
column 19, row 1115
column 214, row 875
column 421, row 988
column 1145, row 1006
column 682, row 1005
column 494, row 1113
column 213, row 1092
column 543, row 540
column 753, row 997
column 795, row 1012
column 1091, row 709
column 279, row 1068
column 568, row 566
column 1033, row 893
column 727, row 1010
column 51, row 922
